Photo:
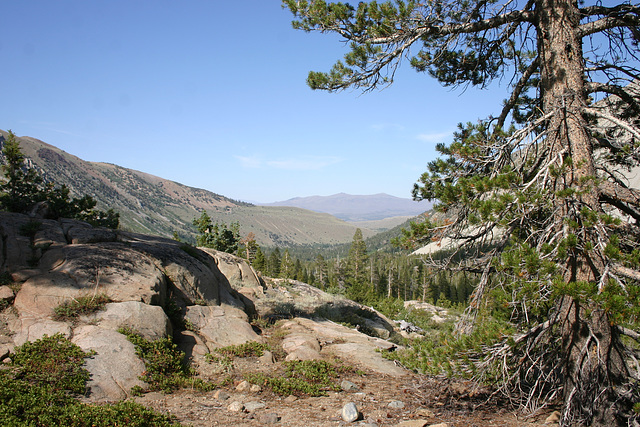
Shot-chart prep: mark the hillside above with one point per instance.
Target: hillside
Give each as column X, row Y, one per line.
column 357, row 208
column 153, row 205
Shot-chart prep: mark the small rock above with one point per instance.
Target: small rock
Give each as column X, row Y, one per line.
column 269, row 418
column 266, row 358
column 5, row 351
column 554, row 418
column 423, row 412
column 255, row 388
column 413, row 423
column 439, row 425
column 396, row 404
column 291, row 398
column 350, row 412
column 221, row 395
column 24, row 275
column 243, row 386
column 348, row 386
column 236, row 407
column 6, row 293
column 253, row 406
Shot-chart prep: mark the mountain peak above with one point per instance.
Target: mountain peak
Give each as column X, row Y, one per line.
column 351, row 207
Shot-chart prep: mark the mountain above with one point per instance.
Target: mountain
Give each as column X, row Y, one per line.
column 354, row 208
column 153, row 205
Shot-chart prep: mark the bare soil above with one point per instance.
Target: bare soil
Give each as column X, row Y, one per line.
column 427, row 401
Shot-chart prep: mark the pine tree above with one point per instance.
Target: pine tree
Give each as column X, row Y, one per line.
column 535, row 194
column 287, row 266
column 217, row 235
column 273, row 263
column 357, row 279
column 248, row 248
column 259, row 262
column 321, row 272
column 23, row 188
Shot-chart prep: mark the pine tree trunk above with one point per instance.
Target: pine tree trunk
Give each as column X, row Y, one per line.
column 593, row 365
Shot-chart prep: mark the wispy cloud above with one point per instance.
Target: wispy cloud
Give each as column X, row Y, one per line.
column 435, row 137
column 300, row 163
column 249, row 162
column 53, row 127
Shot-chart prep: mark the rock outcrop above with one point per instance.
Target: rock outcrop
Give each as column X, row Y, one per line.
column 157, row 286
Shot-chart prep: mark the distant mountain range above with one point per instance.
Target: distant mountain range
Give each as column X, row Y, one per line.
column 354, row 208
column 153, row 205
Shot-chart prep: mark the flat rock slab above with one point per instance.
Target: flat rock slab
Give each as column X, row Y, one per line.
column 114, row 368
column 148, row 320
column 41, row 294
column 349, row 345
column 221, row 326
column 113, row 268
column 33, row 328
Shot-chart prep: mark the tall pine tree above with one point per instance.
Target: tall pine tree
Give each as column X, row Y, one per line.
column 535, row 193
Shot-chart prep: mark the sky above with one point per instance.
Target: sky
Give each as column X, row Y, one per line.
column 212, row 94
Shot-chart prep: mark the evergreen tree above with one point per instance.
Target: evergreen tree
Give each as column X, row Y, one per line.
column 357, row 276
column 321, row 272
column 248, row 248
column 287, row 266
column 273, row 264
column 23, row 188
column 531, row 192
column 259, row 262
column 217, row 235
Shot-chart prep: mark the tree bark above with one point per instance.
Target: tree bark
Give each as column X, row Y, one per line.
column 593, row 364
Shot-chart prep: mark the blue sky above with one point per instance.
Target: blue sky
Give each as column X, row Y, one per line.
column 212, row 94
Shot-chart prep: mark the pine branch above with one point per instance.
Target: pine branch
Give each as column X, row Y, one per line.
column 593, row 87
column 626, row 272
column 618, row 122
column 517, row 90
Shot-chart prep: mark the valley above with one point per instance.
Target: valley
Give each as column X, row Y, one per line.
column 153, row 205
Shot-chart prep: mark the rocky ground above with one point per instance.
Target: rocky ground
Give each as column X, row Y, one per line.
column 384, row 394
column 381, row 400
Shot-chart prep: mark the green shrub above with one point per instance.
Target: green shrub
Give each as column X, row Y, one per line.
column 442, row 351
column 54, row 362
column 302, row 377
column 37, row 391
column 72, row 309
column 25, row 404
column 165, row 369
column 247, row 349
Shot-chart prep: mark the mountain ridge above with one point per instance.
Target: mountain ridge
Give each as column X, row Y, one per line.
column 153, row 205
column 358, row 208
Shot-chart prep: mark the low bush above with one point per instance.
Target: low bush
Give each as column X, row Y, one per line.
column 165, row 368
column 303, row 377
column 38, row 388
column 247, row 349
column 442, row 351
column 72, row 309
